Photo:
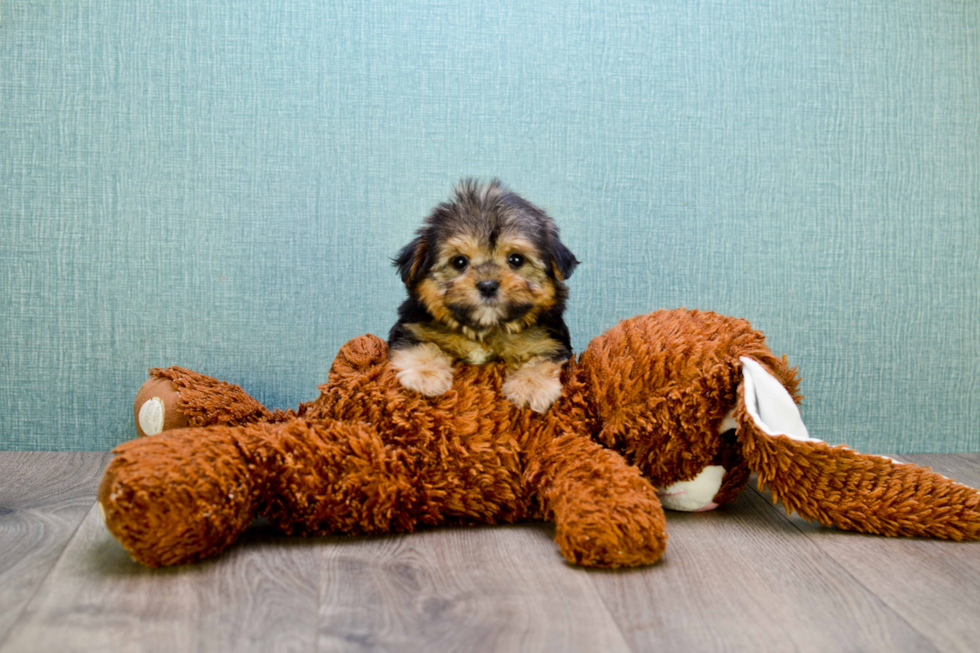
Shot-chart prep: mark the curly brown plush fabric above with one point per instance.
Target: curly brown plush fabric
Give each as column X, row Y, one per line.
column 663, row 382
column 370, row 457
column 640, row 409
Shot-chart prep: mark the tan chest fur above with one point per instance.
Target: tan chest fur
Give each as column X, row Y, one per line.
column 497, row 344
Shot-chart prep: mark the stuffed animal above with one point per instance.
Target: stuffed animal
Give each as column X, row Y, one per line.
column 672, row 409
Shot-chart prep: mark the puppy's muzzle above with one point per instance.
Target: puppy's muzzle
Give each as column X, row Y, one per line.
column 488, row 288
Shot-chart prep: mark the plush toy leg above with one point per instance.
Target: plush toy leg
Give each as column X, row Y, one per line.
column 175, row 397
column 187, row 494
column 178, row 496
column 838, row 486
column 606, row 513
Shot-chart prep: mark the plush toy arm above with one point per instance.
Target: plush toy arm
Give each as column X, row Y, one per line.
column 838, row 486
column 606, row 514
column 175, row 397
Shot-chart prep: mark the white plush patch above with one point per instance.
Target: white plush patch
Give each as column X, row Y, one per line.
column 728, row 423
column 696, row 494
column 151, row 416
column 770, row 404
column 892, row 460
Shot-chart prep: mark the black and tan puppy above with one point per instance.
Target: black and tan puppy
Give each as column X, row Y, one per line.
column 485, row 278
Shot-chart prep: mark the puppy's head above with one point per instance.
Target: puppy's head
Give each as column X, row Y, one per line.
column 487, row 259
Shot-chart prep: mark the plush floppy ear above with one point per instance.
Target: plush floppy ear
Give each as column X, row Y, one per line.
column 413, row 260
column 838, row 486
column 563, row 262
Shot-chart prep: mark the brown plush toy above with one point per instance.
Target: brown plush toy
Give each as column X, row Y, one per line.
column 673, row 409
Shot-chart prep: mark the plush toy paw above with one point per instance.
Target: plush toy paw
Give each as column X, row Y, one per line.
column 424, row 368
column 168, row 501
column 536, row 384
column 628, row 538
column 155, row 407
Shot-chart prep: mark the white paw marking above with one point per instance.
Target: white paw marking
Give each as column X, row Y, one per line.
column 151, row 416
column 424, row 368
column 535, row 385
column 429, row 381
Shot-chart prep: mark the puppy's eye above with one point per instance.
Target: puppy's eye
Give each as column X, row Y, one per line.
column 515, row 260
column 460, row 262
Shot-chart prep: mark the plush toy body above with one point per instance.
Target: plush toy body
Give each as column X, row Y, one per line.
column 672, row 408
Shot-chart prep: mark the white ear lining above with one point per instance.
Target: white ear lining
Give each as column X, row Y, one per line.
column 770, row 405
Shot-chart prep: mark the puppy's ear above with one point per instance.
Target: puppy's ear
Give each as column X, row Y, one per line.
column 563, row 262
column 412, row 260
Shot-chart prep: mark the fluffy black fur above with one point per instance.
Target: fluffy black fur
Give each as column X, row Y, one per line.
column 483, row 212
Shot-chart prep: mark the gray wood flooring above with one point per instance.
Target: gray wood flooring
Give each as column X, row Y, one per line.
column 746, row 577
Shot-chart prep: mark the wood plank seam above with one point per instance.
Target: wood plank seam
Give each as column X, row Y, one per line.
column 44, row 579
column 77, row 477
column 780, row 511
column 592, row 575
column 319, row 601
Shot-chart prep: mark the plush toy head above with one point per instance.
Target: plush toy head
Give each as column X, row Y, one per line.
column 707, row 403
column 675, row 406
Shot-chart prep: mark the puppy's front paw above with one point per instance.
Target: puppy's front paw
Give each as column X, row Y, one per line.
column 430, row 382
column 536, row 384
column 424, row 368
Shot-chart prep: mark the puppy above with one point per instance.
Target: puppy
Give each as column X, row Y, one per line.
column 486, row 281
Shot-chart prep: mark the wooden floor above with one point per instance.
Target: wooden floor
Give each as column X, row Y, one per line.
column 742, row 578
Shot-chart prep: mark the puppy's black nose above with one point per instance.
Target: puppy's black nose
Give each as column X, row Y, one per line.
column 488, row 287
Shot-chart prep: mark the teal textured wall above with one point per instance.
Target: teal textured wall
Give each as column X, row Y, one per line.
column 220, row 185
